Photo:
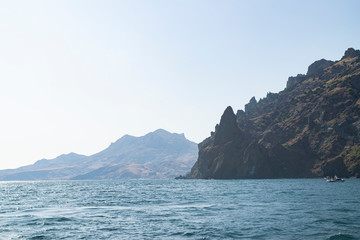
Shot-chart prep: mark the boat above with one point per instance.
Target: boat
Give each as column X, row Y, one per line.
column 334, row 179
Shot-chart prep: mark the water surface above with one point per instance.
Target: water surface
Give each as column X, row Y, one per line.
column 180, row 209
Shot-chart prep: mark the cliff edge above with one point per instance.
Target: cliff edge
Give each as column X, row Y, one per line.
column 310, row 129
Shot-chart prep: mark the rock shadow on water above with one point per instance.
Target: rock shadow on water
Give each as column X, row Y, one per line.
column 341, row 236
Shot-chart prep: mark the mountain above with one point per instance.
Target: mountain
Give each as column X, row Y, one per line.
column 158, row 154
column 310, row 129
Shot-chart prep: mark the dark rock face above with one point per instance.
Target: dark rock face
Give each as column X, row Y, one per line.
column 251, row 105
column 351, row 53
column 318, row 67
column 227, row 129
column 293, row 81
column 310, row 129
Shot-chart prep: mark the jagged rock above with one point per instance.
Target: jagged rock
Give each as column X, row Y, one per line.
column 318, row 67
column 293, row 81
column 310, row 129
column 351, row 53
column 227, row 129
column 251, row 105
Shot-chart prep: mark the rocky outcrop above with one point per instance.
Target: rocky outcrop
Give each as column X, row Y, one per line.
column 351, row 53
column 251, row 105
column 310, row 129
column 293, row 81
column 318, row 68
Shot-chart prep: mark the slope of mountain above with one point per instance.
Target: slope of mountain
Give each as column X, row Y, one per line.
column 310, row 129
column 158, row 154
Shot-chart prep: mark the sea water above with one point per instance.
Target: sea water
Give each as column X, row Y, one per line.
column 181, row 209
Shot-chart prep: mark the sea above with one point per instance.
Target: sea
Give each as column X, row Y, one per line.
column 181, row 209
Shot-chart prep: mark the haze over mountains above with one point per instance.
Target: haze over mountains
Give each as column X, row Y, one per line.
column 310, row 129
column 158, row 154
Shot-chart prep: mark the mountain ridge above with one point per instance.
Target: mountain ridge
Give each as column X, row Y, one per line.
column 158, row 154
column 310, row 129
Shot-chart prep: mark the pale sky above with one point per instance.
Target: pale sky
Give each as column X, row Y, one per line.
column 77, row 75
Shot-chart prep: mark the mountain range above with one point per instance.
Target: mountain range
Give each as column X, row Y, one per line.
column 158, row 154
column 310, row 129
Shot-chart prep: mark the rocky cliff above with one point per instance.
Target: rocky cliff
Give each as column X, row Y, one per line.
column 310, row 129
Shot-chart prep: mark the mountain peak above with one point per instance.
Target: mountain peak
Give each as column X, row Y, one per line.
column 251, row 105
column 318, row 67
column 227, row 127
column 351, row 53
column 228, row 116
column 161, row 131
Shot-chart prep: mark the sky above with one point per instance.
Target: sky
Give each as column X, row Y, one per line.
column 77, row 75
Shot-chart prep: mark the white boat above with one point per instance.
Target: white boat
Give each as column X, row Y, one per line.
column 334, row 179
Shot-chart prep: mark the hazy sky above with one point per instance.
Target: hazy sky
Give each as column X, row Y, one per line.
column 77, row 75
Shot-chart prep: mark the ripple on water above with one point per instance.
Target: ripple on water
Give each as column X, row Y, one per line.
column 38, row 237
column 341, row 237
column 168, row 209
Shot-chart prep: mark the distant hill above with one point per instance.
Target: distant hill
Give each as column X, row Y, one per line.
column 310, row 129
column 158, row 154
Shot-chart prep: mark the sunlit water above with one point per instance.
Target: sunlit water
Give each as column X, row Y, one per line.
column 180, row 209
